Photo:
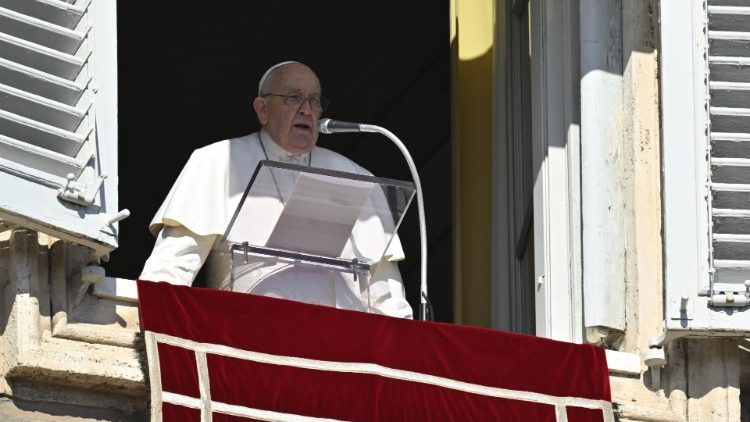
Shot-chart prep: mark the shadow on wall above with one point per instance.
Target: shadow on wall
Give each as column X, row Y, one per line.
column 705, row 368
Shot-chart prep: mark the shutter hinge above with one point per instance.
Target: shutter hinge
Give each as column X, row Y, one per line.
column 731, row 299
column 72, row 193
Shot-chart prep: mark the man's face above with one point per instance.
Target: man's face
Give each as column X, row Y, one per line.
column 294, row 128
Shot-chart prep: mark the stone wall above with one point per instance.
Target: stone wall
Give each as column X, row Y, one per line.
column 64, row 351
column 702, row 378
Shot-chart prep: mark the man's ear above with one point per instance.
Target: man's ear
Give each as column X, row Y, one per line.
column 259, row 104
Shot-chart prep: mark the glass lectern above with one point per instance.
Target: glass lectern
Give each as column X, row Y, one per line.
column 314, row 235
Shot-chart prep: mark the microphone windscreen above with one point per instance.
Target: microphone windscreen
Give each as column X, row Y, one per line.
column 323, row 126
column 337, row 126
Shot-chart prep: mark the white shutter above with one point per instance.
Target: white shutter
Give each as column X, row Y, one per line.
column 58, row 118
column 706, row 140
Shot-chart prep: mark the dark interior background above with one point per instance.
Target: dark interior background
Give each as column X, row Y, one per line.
column 188, row 73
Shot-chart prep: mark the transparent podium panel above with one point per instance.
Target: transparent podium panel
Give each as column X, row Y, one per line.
column 314, row 235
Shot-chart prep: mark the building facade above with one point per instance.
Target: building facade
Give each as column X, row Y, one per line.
column 611, row 172
column 599, row 181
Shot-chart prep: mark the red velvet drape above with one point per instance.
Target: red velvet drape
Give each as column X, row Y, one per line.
column 422, row 370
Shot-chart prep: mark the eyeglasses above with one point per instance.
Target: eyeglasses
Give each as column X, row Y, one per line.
column 317, row 104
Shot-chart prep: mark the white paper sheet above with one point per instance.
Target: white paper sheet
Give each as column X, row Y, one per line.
column 319, row 216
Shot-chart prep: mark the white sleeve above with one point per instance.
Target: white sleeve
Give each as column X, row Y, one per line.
column 387, row 293
column 177, row 257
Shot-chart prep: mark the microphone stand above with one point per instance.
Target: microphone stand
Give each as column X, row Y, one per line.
column 420, row 208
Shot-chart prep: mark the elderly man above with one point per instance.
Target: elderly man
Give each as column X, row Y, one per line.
column 190, row 223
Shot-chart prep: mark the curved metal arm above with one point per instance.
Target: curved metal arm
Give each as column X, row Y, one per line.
column 420, row 209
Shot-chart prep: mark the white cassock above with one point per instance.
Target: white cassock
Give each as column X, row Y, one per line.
column 190, row 223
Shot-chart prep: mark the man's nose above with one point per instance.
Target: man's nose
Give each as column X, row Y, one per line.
column 306, row 106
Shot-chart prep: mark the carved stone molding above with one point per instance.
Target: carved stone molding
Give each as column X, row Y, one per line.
column 56, row 352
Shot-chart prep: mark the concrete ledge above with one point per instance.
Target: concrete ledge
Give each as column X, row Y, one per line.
column 117, row 289
column 37, row 402
column 85, row 365
column 623, row 363
column 92, row 333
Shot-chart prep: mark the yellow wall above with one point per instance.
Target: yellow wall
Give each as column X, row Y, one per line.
column 472, row 39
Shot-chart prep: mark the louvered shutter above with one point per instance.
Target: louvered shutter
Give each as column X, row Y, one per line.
column 729, row 83
column 58, row 118
column 705, row 79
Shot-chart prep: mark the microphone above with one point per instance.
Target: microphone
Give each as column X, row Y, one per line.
column 328, row 126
